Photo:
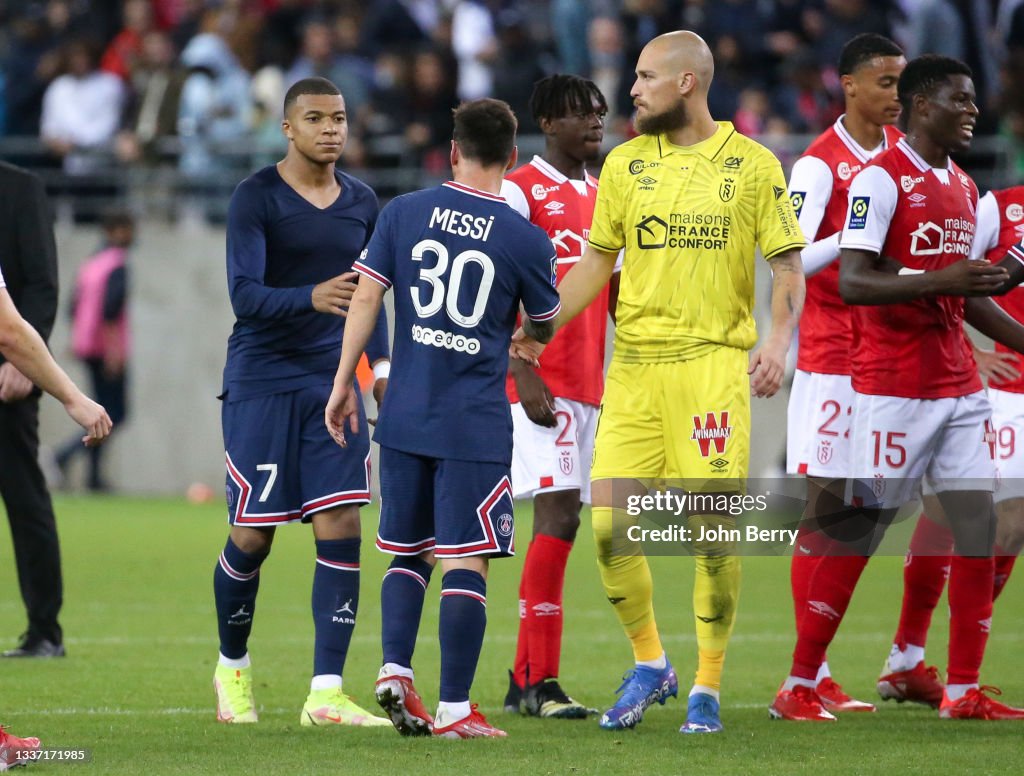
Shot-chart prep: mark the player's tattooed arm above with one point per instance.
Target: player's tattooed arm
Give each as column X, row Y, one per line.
column 542, row 331
column 768, row 361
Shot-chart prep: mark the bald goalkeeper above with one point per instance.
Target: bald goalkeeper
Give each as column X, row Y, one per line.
column 690, row 200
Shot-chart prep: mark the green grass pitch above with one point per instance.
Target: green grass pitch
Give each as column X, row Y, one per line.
column 136, row 690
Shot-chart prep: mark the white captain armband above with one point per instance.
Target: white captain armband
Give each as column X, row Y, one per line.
column 382, row 369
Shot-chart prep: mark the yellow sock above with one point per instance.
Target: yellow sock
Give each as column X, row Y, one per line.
column 627, row 581
column 716, row 592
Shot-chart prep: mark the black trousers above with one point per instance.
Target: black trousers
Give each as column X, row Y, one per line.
column 30, row 514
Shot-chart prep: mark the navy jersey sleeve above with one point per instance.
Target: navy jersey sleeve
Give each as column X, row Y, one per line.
column 539, row 273
column 247, row 262
column 378, row 259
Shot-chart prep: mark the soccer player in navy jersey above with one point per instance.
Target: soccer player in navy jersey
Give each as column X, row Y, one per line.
column 294, row 230
column 461, row 262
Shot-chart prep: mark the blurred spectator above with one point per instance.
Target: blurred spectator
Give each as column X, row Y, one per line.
column 733, row 74
column 604, row 39
column 215, row 113
column 81, row 110
column 99, row 334
column 752, row 112
column 932, row 26
column 282, row 32
column 803, row 100
column 398, row 25
column 743, row 21
column 35, row 57
column 568, row 19
column 186, row 20
column 517, row 67
column 152, row 111
column 428, row 130
column 841, row 20
column 126, row 47
column 475, row 45
column 354, row 76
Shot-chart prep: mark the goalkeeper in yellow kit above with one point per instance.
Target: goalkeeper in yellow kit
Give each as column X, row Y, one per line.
column 689, row 201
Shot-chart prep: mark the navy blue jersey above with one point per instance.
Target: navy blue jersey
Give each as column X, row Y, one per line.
column 460, row 261
column 279, row 247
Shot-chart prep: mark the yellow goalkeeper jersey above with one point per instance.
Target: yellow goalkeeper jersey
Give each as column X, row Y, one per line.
column 690, row 220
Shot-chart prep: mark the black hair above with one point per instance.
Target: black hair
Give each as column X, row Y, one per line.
column 485, row 130
column 314, row 85
column 862, row 48
column 924, row 74
column 561, row 95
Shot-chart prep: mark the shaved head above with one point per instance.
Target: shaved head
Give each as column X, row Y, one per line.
column 684, row 52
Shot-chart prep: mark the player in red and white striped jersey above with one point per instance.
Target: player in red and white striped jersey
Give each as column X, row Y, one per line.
column 822, row 396
column 555, row 408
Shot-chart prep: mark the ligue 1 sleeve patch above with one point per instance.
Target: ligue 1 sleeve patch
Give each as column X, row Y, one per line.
column 859, row 212
column 796, row 198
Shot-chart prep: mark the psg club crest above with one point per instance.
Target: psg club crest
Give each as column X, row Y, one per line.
column 565, row 462
column 504, row 524
column 824, row 452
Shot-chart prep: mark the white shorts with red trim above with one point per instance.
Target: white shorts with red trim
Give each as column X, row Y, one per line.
column 818, row 425
column 549, row 459
column 895, row 442
column 1008, row 427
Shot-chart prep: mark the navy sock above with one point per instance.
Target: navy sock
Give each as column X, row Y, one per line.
column 335, row 602
column 463, row 620
column 401, row 605
column 236, row 580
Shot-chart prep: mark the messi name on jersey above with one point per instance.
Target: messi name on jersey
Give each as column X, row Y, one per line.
column 461, row 224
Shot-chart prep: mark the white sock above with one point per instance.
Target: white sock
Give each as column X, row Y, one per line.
column 447, row 713
column 325, row 682
column 228, row 662
column 659, row 663
column 905, row 659
column 393, row 669
column 798, row 681
column 703, row 688
column 823, row 673
column 957, row 691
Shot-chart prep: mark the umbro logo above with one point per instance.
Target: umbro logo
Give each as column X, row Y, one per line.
column 555, row 208
column 546, row 609
column 822, row 608
column 709, row 619
column 986, row 625
column 614, row 601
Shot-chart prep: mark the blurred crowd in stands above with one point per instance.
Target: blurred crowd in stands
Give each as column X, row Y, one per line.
column 198, row 84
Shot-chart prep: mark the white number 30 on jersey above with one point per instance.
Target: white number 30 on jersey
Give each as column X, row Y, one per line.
column 450, row 299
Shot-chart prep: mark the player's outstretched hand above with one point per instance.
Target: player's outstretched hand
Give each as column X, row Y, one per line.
column 993, row 365
column 90, row 416
column 335, row 295
column 971, row 277
column 534, row 395
column 343, row 405
column 525, row 348
column 767, row 367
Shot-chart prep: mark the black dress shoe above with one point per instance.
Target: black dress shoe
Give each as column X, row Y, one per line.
column 35, row 646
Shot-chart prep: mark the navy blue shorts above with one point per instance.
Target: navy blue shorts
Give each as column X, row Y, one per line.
column 283, row 466
column 456, row 508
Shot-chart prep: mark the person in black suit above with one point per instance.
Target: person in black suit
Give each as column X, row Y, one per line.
column 28, row 260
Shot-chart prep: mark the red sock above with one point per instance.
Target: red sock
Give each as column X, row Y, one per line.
column 543, row 579
column 828, row 596
column 924, row 575
column 808, row 550
column 970, row 616
column 522, row 642
column 1004, row 566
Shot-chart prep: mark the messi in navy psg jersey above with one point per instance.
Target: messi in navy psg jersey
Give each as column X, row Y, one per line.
column 460, row 261
column 279, row 246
